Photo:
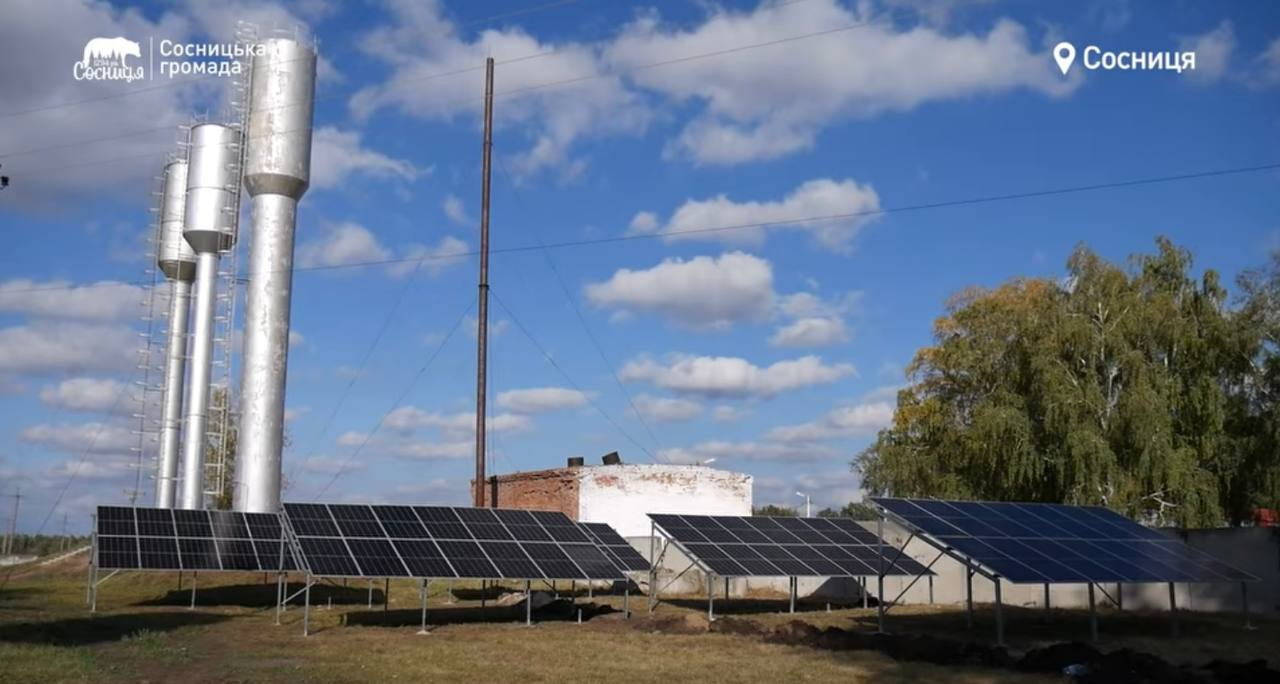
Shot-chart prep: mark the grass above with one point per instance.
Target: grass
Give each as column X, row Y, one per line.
column 144, row 632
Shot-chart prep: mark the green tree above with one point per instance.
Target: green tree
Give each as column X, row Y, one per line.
column 775, row 511
column 854, row 509
column 1115, row 386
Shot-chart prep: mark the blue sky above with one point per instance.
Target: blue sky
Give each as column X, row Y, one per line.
column 773, row 350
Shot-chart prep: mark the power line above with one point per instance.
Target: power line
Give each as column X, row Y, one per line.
column 399, row 401
column 565, row 374
column 587, row 242
column 364, row 360
column 568, row 295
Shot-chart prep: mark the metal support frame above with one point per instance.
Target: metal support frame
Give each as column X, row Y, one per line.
column 880, row 573
column 370, row 602
column 1173, row 611
column 306, row 607
column 726, row 588
column 528, row 603
column 968, row 595
column 1244, row 604
column 999, row 616
column 862, row 583
column 1093, row 615
column 626, row 600
column 194, row 575
column 1119, row 596
column 96, row 582
column 280, row 584
column 793, row 587
column 386, row 594
column 1046, row 597
column 422, row 630
column 915, row 579
column 711, row 598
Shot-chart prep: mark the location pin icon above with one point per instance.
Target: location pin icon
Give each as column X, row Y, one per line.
column 1064, row 54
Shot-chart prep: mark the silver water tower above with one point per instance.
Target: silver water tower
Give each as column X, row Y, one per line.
column 178, row 263
column 277, row 173
column 213, row 174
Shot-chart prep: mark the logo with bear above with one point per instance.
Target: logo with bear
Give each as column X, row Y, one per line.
column 105, row 59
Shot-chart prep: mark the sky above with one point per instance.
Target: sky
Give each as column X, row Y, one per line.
column 624, row 132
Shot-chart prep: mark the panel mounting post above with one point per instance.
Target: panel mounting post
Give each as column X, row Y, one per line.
column 194, row 576
column 999, row 616
column 528, row 603
column 306, row 607
column 422, row 631
column 793, row 594
column 880, row 573
column 1093, row 615
column 386, row 594
column 1173, row 611
column 711, row 598
column 968, row 595
column 1046, row 598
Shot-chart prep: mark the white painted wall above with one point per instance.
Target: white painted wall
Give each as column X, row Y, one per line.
column 624, row 495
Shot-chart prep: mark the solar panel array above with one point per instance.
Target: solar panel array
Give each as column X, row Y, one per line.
column 623, row 554
column 131, row 538
column 440, row 542
column 1056, row 543
column 753, row 546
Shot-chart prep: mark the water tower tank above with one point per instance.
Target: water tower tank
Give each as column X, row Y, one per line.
column 211, row 180
column 174, row 256
column 278, row 160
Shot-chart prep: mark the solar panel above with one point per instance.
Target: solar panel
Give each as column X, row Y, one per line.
column 623, row 554
column 1057, row 543
column 752, row 546
column 435, row 542
column 162, row 539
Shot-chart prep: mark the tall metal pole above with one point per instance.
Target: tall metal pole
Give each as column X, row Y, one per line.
column 482, row 333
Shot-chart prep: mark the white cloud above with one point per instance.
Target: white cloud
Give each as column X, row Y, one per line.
column 811, row 332
column 351, row 438
column 67, row 347
column 91, row 394
column 763, row 103
column 296, row 339
column 858, row 420
column 454, row 210
column 420, row 44
column 291, row 414
column 95, row 438
column 351, row 244
column 432, row 451
column 105, row 300
column 496, row 327
column 321, row 465
column 449, row 251
column 337, row 155
column 833, row 488
column 342, row 244
column 724, row 376
column 804, row 209
column 1268, row 65
column 747, row 451
column 1213, row 52
column 667, row 409
column 700, row 293
column 725, row 413
column 408, row 418
column 542, row 399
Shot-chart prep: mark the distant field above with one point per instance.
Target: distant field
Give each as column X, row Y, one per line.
column 144, row 632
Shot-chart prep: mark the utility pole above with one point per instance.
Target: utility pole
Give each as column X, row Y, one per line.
column 13, row 523
column 482, row 333
column 65, row 539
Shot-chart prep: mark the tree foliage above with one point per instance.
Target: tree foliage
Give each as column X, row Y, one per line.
column 1137, row 388
column 853, row 509
column 775, row 511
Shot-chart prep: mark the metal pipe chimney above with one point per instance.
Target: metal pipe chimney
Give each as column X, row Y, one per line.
column 277, row 173
column 210, row 228
column 178, row 263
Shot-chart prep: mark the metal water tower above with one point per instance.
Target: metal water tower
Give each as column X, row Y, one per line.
column 211, row 217
column 177, row 261
column 277, row 173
